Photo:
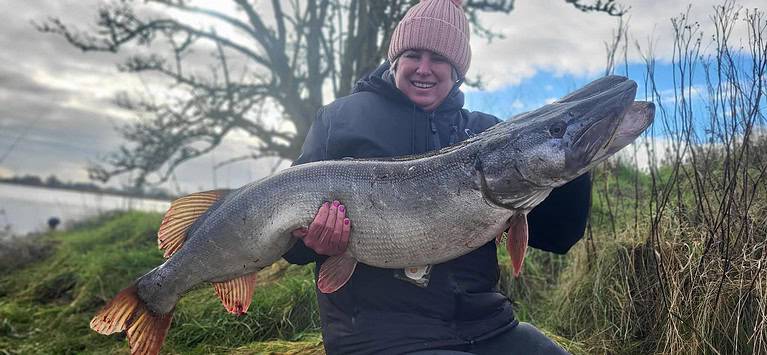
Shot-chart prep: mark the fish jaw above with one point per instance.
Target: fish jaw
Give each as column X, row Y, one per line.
column 636, row 120
column 591, row 134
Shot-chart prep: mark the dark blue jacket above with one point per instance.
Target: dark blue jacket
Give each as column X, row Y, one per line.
column 378, row 311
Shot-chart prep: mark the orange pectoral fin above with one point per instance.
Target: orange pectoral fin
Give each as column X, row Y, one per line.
column 335, row 272
column 516, row 244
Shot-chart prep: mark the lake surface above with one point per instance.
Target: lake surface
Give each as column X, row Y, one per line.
column 26, row 209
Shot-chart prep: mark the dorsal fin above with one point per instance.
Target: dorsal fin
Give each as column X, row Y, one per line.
column 182, row 213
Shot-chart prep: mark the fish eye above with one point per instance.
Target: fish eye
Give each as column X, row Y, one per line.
column 557, row 129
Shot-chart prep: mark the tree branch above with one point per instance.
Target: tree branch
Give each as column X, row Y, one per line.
column 300, row 52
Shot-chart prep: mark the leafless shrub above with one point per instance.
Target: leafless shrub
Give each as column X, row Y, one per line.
column 679, row 259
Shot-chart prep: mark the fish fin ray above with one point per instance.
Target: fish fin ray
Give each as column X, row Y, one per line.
column 516, row 243
column 126, row 312
column 183, row 212
column 335, row 272
column 113, row 317
column 147, row 332
column 236, row 294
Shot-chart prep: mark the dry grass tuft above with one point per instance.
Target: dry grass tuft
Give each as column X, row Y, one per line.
column 672, row 299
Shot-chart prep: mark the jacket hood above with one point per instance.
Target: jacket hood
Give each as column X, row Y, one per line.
column 381, row 81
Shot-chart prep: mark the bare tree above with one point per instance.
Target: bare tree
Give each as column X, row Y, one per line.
column 285, row 54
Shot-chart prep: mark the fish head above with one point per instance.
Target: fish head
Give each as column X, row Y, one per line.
column 546, row 148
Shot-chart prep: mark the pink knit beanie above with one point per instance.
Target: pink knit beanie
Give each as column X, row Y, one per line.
column 437, row 25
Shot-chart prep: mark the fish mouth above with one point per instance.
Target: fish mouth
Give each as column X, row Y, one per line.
column 635, row 121
column 596, row 129
column 627, row 128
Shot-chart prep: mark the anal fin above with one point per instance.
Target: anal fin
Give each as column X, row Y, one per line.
column 335, row 272
column 516, row 244
column 236, row 294
column 182, row 213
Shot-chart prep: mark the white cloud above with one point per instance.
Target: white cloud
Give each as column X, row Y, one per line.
column 551, row 35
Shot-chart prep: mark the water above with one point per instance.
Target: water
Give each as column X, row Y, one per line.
column 26, row 209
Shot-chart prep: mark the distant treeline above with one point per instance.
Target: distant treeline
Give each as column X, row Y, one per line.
column 54, row 182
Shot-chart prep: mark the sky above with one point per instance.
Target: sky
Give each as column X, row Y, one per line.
column 57, row 111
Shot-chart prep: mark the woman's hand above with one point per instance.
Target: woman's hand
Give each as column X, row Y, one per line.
column 329, row 232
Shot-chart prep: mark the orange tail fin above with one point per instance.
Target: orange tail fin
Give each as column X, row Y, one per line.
column 126, row 312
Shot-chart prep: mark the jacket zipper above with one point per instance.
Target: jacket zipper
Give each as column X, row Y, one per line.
column 436, row 144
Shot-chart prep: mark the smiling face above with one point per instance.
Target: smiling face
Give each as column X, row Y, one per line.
column 425, row 77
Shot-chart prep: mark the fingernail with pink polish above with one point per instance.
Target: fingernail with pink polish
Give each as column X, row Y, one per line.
column 346, row 221
column 336, row 203
column 341, row 208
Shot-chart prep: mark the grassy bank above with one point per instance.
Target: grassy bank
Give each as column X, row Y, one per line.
column 606, row 296
column 45, row 305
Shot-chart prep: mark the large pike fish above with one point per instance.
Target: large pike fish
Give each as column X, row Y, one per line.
column 406, row 212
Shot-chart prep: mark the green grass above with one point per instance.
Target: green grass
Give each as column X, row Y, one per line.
column 45, row 306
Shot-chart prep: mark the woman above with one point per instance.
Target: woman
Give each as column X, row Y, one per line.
column 411, row 105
